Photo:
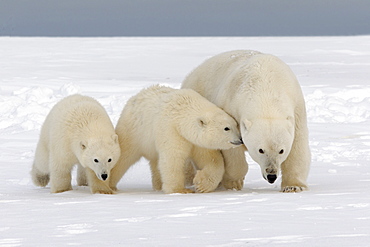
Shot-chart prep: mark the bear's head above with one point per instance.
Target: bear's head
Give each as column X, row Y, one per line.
column 100, row 154
column 214, row 129
column 268, row 142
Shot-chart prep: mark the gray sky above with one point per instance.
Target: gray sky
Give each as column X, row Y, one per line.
column 184, row 17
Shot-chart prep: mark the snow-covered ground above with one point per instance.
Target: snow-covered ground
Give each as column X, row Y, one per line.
column 37, row 72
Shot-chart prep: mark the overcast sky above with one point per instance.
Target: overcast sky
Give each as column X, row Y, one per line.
column 184, row 17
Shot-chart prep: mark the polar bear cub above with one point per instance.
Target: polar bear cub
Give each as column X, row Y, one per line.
column 263, row 95
column 169, row 127
column 76, row 131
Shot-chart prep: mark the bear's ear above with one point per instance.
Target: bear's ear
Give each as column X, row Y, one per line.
column 202, row 122
column 83, row 145
column 115, row 138
column 246, row 124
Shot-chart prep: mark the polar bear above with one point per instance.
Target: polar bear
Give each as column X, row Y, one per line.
column 169, row 127
column 76, row 131
column 263, row 95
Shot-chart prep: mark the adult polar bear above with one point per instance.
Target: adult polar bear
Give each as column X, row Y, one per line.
column 263, row 95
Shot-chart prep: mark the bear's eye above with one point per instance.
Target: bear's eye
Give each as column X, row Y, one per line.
column 96, row 160
column 281, row 151
column 227, row 129
column 261, row 151
column 109, row 160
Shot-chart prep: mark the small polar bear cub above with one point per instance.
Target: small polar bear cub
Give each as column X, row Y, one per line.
column 77, row 131
column 164, row 125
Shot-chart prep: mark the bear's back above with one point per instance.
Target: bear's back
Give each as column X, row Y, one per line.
column 147, row 104
column 211, row 73
column 140, row 118
column 78, row 110
column 76, row 114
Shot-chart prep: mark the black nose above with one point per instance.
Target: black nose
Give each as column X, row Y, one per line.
column 271, row 178
column 238, row 142
column 104, row 176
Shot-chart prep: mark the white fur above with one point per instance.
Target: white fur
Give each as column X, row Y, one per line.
column 170, row 127
column 76, row 131
column 263, row 95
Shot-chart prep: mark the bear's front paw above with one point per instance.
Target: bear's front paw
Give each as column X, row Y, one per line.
column 60, row 189
column 204, row 183
column 292, row 189
column 102, row 191
column 233, row 184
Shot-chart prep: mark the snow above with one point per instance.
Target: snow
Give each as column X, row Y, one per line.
column 334, row 74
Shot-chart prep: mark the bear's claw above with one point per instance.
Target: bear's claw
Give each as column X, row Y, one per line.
column 292, row 189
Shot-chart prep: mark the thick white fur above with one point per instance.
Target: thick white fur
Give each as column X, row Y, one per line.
column 263, row 95
column 76, row 131
column 170, row 127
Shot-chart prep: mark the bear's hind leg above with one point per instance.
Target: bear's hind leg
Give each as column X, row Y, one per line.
column 81, row 176
column 129, row 156
column 156, row 175
column 190, row 172
column 39, row 178
column 40, row 168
